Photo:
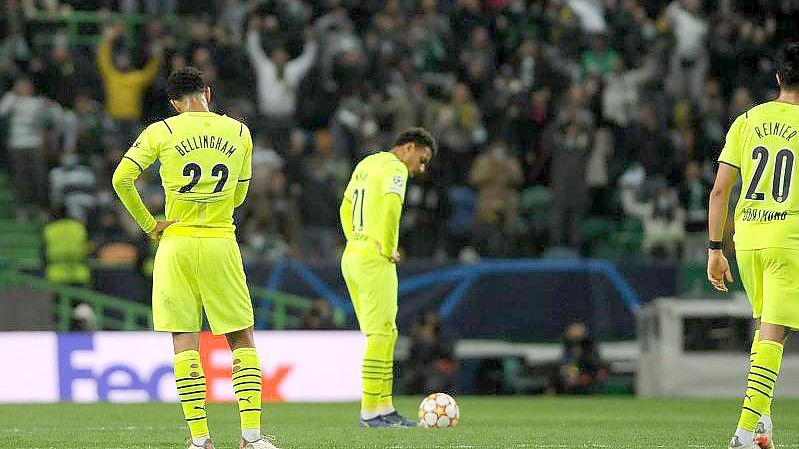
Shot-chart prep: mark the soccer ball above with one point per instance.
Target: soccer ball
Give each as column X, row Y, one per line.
column 439, row 410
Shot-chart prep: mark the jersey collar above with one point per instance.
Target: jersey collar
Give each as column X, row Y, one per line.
column 200, row 113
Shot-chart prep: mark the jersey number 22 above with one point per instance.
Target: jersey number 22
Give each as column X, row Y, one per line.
column 194, row 170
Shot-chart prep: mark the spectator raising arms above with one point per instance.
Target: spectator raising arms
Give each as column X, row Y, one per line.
column 124, row 86
column 575, row 92
column 277, row 78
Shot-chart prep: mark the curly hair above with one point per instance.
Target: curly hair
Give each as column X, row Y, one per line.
column 419, row 136
column 184, row 81
column 788, row 64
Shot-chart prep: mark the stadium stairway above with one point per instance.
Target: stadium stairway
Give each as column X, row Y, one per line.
column 20, row 241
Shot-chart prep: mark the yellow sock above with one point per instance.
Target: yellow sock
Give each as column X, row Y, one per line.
column 373, row 373
column 763, row 375
column 752, row 353
column 190, row 380
column 247, row 387
column 385, row 403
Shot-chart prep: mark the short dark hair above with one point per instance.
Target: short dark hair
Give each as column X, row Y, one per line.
column 788, row 64
column 419, row 136
column 184, row 81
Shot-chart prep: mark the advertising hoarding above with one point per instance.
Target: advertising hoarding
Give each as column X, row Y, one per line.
column 297, row 366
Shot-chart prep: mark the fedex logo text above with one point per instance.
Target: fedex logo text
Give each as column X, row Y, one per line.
column 125, row 376
column 304, row 366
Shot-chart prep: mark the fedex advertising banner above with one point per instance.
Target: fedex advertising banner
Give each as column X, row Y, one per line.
column 299, row 366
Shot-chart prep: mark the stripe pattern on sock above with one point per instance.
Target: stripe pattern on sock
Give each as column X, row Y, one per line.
column 762, row 378
column 190, row 381
column 374, row 370
column 247, row 385
column 385, row 404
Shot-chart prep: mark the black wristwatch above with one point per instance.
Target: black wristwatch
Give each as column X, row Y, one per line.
column 713, row 244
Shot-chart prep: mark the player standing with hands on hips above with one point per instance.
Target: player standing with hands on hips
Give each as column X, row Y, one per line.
column 370, row 216
column 762, row 145
column 206, row 165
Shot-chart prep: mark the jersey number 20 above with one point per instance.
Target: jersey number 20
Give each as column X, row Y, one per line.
column 783, row 169
column 194, row 170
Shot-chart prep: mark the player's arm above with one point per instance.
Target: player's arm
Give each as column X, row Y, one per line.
column 720, row 200
column 140, row 156
column 245, row 175
column 394, row 182
column 124, row 182
column 718, row 269
column 390, row 242
column 345, row 215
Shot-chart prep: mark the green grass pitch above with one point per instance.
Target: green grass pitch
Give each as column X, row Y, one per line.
column 486, row 422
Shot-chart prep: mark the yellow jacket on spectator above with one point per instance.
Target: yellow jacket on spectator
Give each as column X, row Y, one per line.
column 66, row 250
column 124, row 90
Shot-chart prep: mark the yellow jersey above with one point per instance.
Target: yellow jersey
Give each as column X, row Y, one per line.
column 372, row 202
column 205, row 160
column 762, row 144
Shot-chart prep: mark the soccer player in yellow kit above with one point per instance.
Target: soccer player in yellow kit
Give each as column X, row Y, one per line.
column 370, row 216
column 762, row 145
column 206, row 163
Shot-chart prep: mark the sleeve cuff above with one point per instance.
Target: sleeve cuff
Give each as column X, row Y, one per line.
column 730, row 164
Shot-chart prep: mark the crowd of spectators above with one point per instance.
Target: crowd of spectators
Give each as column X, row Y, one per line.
column 549, row 114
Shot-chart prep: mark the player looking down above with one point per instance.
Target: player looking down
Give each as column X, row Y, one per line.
column 370, row 216
column 206, row 164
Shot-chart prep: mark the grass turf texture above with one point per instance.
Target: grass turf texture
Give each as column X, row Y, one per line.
column 486, row 422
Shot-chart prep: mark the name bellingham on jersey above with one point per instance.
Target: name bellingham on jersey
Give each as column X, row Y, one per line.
column 206, row 163
column 204, row 142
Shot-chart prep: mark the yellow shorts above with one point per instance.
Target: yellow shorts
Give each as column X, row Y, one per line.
column 771, row 279
column 191, row 274
column 372, row 282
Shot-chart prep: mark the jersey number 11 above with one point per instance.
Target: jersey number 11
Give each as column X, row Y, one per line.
column 357, row 203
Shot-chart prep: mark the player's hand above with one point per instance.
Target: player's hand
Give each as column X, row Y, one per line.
column 395, row 258
column 718, row 270
column 155, row 234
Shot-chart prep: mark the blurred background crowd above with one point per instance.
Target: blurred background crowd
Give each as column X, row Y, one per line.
column 587, row 127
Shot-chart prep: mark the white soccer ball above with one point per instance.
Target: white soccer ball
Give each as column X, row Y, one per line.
column 439, row 410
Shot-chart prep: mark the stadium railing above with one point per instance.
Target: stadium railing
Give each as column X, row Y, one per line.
column 284, row 310
column 85, row 27
column 279, row 310
column 112, row 313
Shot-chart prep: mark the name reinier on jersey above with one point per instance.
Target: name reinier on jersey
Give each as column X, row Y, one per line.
column 763, row 144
